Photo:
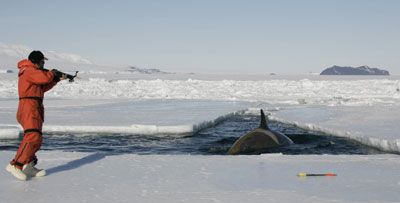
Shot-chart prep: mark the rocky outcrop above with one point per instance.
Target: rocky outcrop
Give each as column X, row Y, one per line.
column 347, row 70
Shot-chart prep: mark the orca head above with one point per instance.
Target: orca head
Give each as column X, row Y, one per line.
column 263, row 123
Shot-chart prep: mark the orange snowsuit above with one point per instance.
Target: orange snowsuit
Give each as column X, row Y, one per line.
column 32, row 84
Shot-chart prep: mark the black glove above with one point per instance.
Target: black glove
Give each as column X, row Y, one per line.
column 57, row 75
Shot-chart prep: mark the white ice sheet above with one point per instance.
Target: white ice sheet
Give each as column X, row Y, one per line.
column 81, row 177
column 147, row 117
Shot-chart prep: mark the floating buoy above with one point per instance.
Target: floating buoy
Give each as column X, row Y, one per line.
column 302, row 174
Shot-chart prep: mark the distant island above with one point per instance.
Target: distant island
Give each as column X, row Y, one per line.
column 134, row 69
column 347, row 70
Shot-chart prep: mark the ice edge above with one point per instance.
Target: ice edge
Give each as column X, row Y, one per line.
column 14, row 131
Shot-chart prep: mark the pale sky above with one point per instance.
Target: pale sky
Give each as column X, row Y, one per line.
column 284, row 37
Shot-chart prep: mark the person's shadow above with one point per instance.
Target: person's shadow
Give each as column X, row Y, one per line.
column 76, row 163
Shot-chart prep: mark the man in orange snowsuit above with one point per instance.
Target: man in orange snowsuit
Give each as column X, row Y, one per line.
column 33, row 82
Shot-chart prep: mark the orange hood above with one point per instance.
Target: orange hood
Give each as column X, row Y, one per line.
column 26, row 64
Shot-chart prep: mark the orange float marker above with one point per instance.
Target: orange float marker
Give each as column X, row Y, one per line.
column 303, row 174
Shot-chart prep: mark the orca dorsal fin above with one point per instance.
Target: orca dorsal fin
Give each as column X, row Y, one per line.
column 263, row 123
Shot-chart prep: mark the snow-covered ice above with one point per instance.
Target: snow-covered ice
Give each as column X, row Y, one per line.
column 310, row 91
column 183, row 106
column 96, row 177
column 376, row 126
column 362, row 108
column 145, row 117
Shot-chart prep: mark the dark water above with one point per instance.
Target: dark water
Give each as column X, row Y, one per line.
column 215, row 140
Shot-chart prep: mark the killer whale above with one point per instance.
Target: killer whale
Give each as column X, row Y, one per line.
column 259, row 139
